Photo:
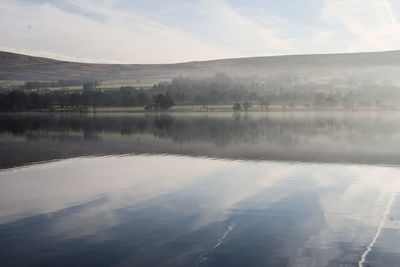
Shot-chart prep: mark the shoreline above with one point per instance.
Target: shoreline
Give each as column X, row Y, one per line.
column 197, row 109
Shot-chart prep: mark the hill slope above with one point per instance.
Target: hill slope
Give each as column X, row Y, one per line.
column 375, row 65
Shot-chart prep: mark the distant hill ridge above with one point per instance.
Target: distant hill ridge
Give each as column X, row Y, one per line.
column 377, row 65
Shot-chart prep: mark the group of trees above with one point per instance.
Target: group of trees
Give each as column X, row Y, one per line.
column 18, row 100
column 246, row 105
column 161, row 102
column 219, row 89
column 279, row 91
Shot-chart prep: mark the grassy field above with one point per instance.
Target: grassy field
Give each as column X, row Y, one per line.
column 13, row 84
column 10, row 83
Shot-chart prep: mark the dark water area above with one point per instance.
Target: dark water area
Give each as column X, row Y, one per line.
column 223, row 189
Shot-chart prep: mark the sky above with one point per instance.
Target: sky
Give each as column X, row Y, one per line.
column 170, row 31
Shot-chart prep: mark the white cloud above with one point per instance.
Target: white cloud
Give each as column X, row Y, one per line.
column 368, row 24
column 105, row 33
column 244, row 34
column 390, row 11
column 47, row 54
column 134, row 40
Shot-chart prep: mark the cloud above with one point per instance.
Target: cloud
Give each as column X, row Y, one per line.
column 389, row 11
column 118, row 37
column 47, row 54
column 102, row 32
column 367, row 24
column 245, row 34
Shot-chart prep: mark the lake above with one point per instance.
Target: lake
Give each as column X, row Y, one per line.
column 201, row 189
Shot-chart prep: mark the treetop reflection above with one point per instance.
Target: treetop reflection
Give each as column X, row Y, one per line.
column 359, row 137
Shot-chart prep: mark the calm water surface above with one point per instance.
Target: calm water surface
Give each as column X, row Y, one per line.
column 278, row 189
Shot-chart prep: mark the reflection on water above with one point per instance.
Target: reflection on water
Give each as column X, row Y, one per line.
column 357, row 137
column 148, row 210
column 170, row 190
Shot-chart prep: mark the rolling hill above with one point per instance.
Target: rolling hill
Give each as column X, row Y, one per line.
column 373, row 65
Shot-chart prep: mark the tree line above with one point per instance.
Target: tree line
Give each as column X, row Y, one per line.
column 19, row 100
column 221, row 89
column 244, row 92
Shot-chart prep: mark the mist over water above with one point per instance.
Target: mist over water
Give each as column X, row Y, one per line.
column 353, row 137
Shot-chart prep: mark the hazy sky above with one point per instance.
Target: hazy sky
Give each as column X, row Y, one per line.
column 160, row 31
